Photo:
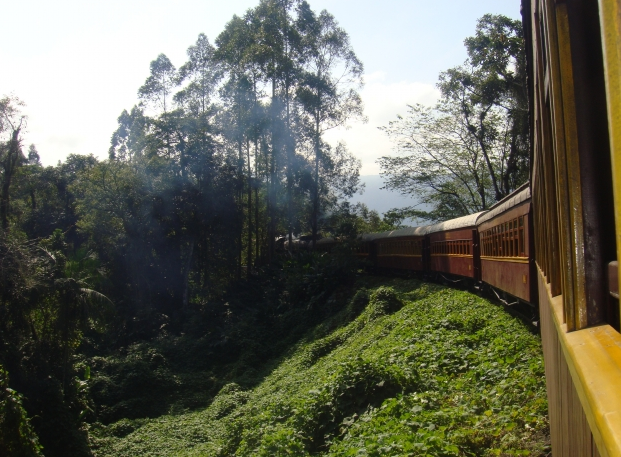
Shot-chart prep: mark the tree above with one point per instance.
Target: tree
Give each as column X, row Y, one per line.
column 159, row 85
column 328, row 89
column 471, row 149
column 202, row 73
column 12, row 122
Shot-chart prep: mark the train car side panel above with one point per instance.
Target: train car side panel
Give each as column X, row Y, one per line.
column 506, row 254
column 509, row 276
column 403, row 253
column 452, row 252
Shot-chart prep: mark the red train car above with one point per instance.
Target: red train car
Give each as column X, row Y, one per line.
column 453, row 246
column 506, row 246
column 400, row 249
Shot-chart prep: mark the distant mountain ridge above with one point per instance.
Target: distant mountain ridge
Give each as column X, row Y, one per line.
column 378, row 199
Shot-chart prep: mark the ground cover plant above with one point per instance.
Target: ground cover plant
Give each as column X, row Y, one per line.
column 406, row 368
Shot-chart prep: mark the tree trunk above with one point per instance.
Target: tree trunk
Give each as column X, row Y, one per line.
column 315, row 215
column 249, row 247
column 256, row 199
column 186, row 275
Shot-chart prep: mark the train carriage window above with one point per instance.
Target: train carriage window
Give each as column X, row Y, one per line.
column 515, row 238
column 521, row 241
column 508, row 243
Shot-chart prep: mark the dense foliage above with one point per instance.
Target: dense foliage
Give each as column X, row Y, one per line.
column 158, row 282
column 403, row 369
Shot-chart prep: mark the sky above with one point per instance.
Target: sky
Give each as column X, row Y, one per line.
column 78, row 64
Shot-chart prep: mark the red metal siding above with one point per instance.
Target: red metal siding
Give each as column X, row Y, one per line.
column 462, row 265
column 403, row 262
column 512, row 277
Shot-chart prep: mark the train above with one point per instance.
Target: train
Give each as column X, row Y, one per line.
column 556, row 242
column 492, row 248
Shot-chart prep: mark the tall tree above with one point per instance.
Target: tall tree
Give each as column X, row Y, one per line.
column 329, row 83
column 158, row 87
column 471, row 149
column 12, row 122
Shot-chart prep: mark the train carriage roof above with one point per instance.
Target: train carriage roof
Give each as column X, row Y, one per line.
column 461, row 222
column 408, row 231
column 520, row 195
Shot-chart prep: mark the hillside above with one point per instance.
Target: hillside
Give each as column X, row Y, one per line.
column 405, row 368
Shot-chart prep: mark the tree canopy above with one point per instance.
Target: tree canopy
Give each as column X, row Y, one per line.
column 471, row 149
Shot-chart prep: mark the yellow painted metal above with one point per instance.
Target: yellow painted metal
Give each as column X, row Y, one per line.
column 610, row 21
column 506, row 259
column 593, row 356
column 572, row 158
column 400, row 255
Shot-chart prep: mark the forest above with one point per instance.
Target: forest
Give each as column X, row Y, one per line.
column 163, row 271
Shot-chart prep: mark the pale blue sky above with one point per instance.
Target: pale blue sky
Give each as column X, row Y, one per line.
column 78, row 64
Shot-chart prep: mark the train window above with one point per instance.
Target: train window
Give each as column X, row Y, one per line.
column 522, row 249
column 504, row 240
column 515, row 239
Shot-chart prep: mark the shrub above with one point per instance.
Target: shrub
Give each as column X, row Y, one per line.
column 384, row 300
column 17, row 438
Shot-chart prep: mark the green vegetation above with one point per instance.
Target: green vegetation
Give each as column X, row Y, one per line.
column 405, row 368
column 151, row 305
column 16, row 435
